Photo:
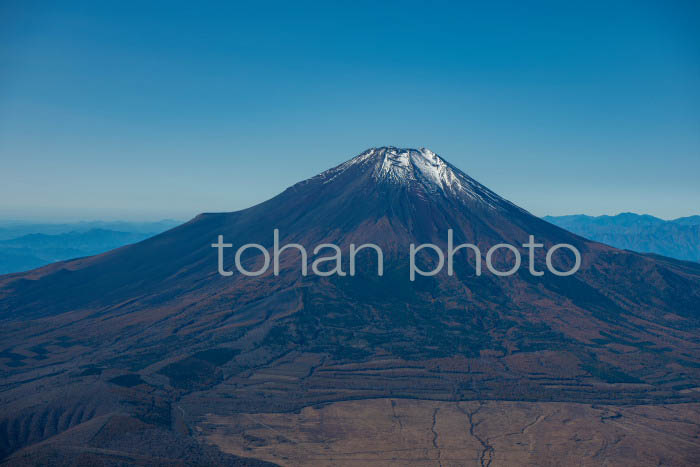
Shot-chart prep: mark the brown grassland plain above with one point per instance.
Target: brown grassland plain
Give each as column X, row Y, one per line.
column 439, row 433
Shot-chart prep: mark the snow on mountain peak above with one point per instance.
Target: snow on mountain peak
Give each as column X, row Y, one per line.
column 421, row 169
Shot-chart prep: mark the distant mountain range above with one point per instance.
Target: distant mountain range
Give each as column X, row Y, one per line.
column 678, row 238
column 25, row 246
column 10, row 229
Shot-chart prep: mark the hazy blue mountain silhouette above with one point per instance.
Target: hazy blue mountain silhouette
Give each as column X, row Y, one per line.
column 677, row 238
column 28, row 246
column 10, row 229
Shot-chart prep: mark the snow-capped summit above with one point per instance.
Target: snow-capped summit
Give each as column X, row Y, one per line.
column 421, row 169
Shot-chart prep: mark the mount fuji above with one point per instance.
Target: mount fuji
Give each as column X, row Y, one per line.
column 137, row 351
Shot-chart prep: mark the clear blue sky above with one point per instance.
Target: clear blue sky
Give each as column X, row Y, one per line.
column 166, row 109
